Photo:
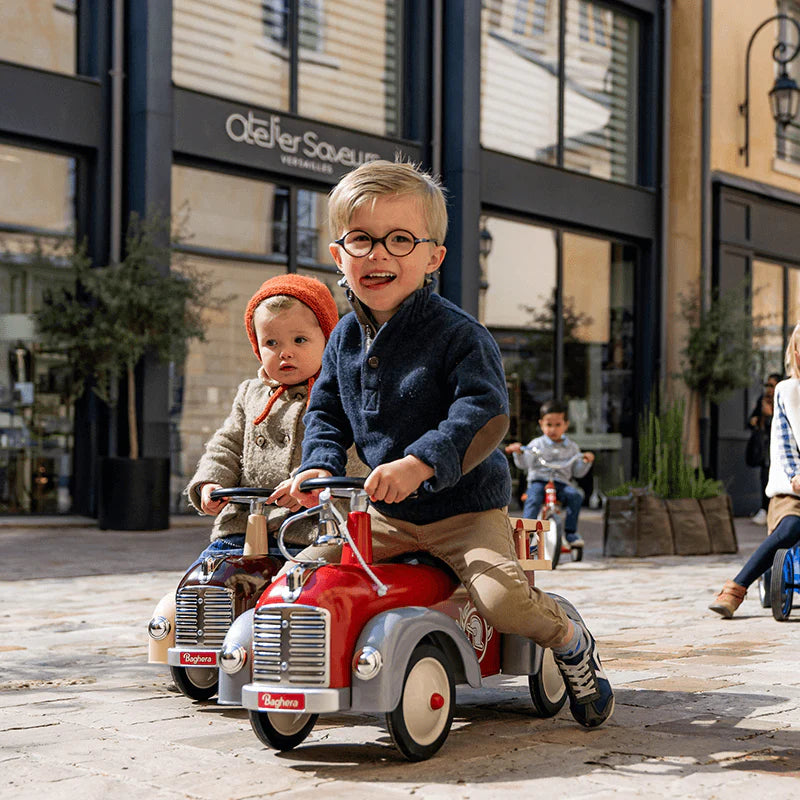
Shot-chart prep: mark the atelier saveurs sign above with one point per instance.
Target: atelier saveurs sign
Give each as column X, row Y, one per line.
column 274, row 140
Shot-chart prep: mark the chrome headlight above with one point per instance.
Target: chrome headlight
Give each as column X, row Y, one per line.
column 158, row 628
column 367, row 663
column 232, row 658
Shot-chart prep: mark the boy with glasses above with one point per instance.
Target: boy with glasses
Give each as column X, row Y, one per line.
column 418, row 385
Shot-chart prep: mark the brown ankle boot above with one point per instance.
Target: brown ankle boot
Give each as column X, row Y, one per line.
column 729, row 599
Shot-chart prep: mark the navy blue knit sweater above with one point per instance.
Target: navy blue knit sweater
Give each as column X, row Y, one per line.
column 425, row 384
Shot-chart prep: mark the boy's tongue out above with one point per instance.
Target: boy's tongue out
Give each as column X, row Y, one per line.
column 377, row 279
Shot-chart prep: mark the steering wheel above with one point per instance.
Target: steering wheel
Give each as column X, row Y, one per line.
column 338, row 482
column 242, row 495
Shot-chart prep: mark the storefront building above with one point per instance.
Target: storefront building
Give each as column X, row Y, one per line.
column 734, row 198
column 544, row 118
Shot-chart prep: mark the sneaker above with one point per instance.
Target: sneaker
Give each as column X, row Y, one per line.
column 760, row 517
column 574, row 539
column 591, row 698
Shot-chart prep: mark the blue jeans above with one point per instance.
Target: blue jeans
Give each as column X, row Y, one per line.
column 569, row 497
column 232, row 545
column 787, row 535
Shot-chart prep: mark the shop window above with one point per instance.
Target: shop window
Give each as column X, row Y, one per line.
column 40, row 33
column 37, row 220
column 571, row 337
column 522, row 62
column 275, row 14
column 767, row 310
column 335, row 74
column 775, row 310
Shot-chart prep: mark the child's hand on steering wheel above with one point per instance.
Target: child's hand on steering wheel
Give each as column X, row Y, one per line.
column 306, row 499
column 282, row 496
column 395, row 481
column 209, row 506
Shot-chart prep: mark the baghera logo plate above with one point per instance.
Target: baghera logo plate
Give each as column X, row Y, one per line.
column 199, row 658
column 280, row 701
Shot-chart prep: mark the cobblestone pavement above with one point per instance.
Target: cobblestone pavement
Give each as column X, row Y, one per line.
column 705, row 707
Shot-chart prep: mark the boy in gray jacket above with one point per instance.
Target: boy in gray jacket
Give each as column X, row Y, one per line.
column 554, row 447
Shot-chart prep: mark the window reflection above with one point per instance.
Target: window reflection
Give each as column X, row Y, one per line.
column 600, row 95
column 37, row 219
column 594, row 306
column 39, row 33
column 521, row 87
column 768, row 314
column 518, row 309
column 344, row 75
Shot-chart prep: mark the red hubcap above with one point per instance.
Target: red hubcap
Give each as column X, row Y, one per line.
column 436, row 701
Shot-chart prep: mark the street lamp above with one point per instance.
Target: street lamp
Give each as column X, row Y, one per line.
column 784, row 97
column 486, row 241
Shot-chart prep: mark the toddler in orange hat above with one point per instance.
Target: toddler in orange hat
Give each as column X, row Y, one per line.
column 288, row 322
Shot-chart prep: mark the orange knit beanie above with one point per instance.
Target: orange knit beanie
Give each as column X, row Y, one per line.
column 309, row 291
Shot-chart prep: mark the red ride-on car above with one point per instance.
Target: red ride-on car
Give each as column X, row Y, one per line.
column 189, row 625
column 392, row 638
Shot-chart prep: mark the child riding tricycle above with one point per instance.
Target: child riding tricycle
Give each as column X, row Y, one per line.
column 551, row 462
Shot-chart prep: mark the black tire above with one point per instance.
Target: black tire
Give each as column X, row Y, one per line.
column 576, row 553
column 781, row 588
column 547, row 687
column 764, row 596
column 419, row 729
column 552, row 539
column 199, row 683
column 280, row 730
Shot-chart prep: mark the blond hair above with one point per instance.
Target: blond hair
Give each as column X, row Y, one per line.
column 375, row 179
column 791, row 356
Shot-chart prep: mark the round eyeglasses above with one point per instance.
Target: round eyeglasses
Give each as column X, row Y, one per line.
column 397, row 243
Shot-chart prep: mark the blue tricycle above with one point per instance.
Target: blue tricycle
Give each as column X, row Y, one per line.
column 784, row 581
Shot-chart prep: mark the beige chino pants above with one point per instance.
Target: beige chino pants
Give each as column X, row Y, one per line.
column 479, row 548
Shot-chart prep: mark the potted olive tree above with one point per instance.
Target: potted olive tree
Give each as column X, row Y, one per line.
column 105, row 322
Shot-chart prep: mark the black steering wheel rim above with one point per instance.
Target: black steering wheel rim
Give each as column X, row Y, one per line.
column 337, row 482
column 241, row 494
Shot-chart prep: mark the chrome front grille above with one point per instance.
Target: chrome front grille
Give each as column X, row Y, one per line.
column 203, row 615
column 291, row 645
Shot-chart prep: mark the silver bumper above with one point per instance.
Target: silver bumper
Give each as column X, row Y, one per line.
column 193, row 657
column 270, row 697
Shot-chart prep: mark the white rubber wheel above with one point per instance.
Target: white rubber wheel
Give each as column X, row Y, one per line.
column 421, row 722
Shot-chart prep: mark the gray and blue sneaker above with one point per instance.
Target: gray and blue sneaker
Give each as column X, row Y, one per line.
column 574, row 539
column 591, row 698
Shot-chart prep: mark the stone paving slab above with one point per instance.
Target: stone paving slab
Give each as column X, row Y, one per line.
column 705, row 707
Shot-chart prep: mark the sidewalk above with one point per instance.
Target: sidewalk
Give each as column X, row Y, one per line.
column 705, row 707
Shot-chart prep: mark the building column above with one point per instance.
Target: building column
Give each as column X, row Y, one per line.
column 148, row 172
column 460, row 276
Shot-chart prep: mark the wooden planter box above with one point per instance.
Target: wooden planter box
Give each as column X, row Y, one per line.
column 641, row 524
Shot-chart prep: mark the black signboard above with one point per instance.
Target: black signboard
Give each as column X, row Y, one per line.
column 249, row 136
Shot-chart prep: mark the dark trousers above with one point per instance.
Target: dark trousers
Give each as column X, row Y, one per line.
column 567, row 495
column 787, row 534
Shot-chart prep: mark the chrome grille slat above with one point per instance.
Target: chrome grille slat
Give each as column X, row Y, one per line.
column 214, row 615
column 291, row 645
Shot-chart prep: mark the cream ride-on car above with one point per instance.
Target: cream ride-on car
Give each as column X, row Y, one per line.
column 391, row 638
column 189, row 625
